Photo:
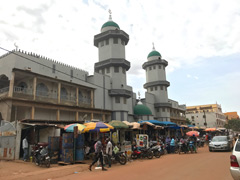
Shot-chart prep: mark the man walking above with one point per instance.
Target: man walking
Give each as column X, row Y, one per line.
column 98, row 155
column 25, row 148
column 109, row 151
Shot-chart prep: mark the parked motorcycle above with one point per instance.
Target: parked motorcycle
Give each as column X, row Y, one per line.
column 41, row 157
column 118, row 157
column 142, row 153
column 156, row 151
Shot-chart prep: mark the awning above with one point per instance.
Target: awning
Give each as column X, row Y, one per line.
column 43, row 124
column 160, row 123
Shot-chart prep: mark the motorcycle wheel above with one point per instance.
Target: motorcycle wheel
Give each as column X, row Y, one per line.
column 191, row 150
column 35, row 161
column 47, row 163
column 134, row 156
column 179, row 151
column 165, row 152
column 122, row 159
column 150, row 155
column 157, row 154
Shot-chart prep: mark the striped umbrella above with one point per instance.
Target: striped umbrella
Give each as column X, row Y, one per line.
column 70, row 127
column 97, row 127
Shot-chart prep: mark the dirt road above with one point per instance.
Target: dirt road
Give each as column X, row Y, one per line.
column 203, row 165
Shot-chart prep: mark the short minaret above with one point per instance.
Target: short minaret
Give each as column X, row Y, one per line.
column 111, row 44
column 157, row 84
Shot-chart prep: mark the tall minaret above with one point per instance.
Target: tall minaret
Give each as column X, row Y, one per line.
column 111, row 44
column 157, row 84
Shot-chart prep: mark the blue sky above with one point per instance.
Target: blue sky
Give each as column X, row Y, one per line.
column 199, row 39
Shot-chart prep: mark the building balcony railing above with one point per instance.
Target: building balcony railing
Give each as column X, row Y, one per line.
column 178, row 117
column 27, row 93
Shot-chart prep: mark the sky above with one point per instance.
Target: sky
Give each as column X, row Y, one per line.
column 200, row 39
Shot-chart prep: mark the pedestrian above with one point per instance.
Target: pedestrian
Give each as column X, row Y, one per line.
column 109, row 151
column 98, row 155
column 172, row 145
column 25, row 148
column 167, row 142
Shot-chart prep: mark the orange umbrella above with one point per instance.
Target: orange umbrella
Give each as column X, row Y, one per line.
column 211, row 129
column 191, row 133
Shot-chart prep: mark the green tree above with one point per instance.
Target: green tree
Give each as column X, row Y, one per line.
column 233, row 124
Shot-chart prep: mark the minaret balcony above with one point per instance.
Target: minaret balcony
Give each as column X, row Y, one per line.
column 155, row 62
column 111, row 34
column 156, row 83
column 112, row 62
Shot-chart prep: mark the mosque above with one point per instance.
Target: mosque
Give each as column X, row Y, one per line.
column 38, row 91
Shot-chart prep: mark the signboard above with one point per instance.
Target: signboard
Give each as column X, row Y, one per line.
column 142, row 140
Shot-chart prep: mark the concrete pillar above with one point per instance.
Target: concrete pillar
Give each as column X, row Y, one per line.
column 33, row 112
column 103, row 118
column 77, row 115
column 58, row 115
column 11, row 85
column 34, row 87
column 92, row 98
column 18, row 141
column 59, row 93
column 91, row 116
column 77, row 96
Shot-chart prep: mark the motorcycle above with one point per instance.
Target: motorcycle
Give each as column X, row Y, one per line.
column 142, row 153
column 192, row 147
column 118, row 157
column 182, row 147
column 156, row 150
column 41, row 157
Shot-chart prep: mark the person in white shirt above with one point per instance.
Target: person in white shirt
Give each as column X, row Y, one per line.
column 25, row 149
column 109, row 151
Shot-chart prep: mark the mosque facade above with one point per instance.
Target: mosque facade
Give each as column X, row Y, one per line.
column 38, row 91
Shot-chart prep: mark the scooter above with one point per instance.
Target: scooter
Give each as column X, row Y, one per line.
column 192, row 147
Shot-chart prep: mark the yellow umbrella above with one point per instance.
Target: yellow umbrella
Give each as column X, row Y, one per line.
column 97, row 127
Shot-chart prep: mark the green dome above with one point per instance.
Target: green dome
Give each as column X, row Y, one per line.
column 141, row 109
column 154, row 53
column 110, row 23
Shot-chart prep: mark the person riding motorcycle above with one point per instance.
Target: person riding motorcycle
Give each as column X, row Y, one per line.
column 194, row 139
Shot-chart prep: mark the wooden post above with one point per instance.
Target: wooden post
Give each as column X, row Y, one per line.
column 75, row 136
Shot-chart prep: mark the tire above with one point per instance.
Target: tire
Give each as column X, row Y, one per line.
column 179, row 151
column 191, row 150
column 134, row 156
column 210, row 150
column 47, row 163
column 150, row 155
column 122, row 159
column 165, row 152
column 157, row 154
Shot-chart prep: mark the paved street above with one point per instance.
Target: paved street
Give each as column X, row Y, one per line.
column 203, row 165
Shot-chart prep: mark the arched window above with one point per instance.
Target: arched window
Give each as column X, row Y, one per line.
column 64, row 93
column 42, row 90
